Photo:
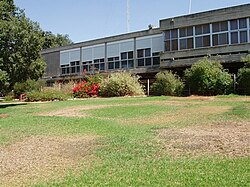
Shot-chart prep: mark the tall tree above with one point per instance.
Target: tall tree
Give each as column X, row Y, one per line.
column 51, row 40
column 21, row 42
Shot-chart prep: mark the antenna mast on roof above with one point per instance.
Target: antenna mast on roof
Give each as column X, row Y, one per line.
column 190, row 6
column 128, row 15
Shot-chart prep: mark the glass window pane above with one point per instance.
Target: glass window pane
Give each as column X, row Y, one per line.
column 147, row 52
column 110, row 59
column 206, row 29
column 85, row 68
column 96, row 66
column 124, row 64
column 67, row 72
column 116, row 58
column 130, row 63
column 156, row 60
column 174, row 45
column 174, row 33
column 148, row 61
column 206, row 41
column 124, row 56
column 117, row 65
column 130, row 55
column 215, row 40
column 183, row 44
column 102, row 60
column 234, row 24
column 183, row 32
column 223, row 38
column 190, row 31
column 167, row 46
column 111, row 65
column 190, row 43
column 216, row 27
column 167, row 35
column 234, row 37
column 243, row 36
column 140, row 53
column 78, row 69
column 140, row 62
column 198, row 42
column 243, row 23
column 198, row 29
column 223, row 26
column 102, row 66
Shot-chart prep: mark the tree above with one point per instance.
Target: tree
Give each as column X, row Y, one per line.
column 51, row 40
column 20, row 46
column 208, row 78
column 167, row 83
column 243, row 77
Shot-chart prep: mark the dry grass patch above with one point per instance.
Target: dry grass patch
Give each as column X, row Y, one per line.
column 184, row 114
column 72, row 111
column 230, row 139
column 4, row 116
column 39, row 158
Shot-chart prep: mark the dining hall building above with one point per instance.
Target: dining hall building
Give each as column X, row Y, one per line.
column 179, row 42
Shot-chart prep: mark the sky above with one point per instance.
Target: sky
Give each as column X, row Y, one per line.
column 85, row 20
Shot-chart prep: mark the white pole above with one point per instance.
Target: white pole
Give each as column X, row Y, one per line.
column 148, row 87
column 190, row 6
column 128, row 15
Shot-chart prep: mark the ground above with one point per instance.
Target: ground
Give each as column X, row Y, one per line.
column 154, row 141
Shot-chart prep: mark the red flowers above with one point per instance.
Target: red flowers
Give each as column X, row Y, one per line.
column 86, row 89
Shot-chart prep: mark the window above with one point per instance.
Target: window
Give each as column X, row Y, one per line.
column 238, row 31
column 243, row 23
column 202, row 33
column 127, row 59
column 144, row 57
column 243, row 36
column 234, row 38
column 65, row 69
column 99, row 65
column 220, row 26
column 87, row 66
column 75, row 67
column 113, row 63
column 220, row 39
column 171, row 40
column 156, row 58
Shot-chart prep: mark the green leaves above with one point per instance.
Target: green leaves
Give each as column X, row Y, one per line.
column 20, row 46
column 167, row 83
column 208, row 78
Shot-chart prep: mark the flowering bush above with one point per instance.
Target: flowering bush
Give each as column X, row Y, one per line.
column 86, row 89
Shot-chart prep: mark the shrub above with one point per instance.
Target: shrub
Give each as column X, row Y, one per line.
column 88, row 88
column 121, row 84
column 46, row 95
column 9, row 97
column 208, row 78
column 167, row 83
column 28, row 86
column 243, row 77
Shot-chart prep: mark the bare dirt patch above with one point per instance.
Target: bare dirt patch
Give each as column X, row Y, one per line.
column 230, row 139
column 38, row 158
column 194, row 98
column 4, row 116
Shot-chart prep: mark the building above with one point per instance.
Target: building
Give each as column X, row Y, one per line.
column 222, row 34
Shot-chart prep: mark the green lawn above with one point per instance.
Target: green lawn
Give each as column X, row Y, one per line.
column 154, row 141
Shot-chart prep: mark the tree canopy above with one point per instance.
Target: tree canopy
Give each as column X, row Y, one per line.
column 21, row 41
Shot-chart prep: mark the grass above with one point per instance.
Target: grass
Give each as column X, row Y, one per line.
column 128, row 152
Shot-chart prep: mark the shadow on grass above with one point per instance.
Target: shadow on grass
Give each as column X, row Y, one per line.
column 6, row 105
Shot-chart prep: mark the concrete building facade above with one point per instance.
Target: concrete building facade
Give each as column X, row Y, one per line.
column 222, row 35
